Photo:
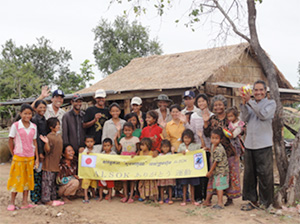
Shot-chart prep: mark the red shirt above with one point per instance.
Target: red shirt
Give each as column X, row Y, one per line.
column 153, row 131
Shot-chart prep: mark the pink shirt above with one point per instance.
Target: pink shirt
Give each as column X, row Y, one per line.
column 23, row 138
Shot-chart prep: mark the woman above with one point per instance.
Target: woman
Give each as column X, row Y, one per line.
column 196, row 125
column 175, row 127
column 219, row 120
column 67, row 177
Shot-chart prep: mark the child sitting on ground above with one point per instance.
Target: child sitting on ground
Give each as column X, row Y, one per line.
column 219, row 169
column 108, row 184
column 87, row 183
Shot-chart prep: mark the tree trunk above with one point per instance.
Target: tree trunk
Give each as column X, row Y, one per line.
column 271, row 74
column 290, row 191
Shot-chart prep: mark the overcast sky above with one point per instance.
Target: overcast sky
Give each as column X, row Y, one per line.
column 69, row 24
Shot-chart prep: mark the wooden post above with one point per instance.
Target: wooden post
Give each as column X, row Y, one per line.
column 126, row 106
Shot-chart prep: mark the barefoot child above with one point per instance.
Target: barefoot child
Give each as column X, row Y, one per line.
column 23, row 147
column 87, row 183
column 147, row 188
column 108, row 184
column 165, row 147
column 128, row 147
column 219, row 169
column 188, row 144
column 53, row 150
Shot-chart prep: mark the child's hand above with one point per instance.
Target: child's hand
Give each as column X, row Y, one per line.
column 37, row 163
column 77, row 177
column 173, row 149
column 155, row 154
column 182, row 118
column 208, row 175
column 184, row 152
column 41, row 155
column 207, row 149
column 44, row 139
column 132, row 156
column 200, row 134
column 162, row 122
column 80, row 150
column 118, row 126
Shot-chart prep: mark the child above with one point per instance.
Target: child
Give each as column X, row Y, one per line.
column 152, row 131
column 147, row 188
column 188, row 144
column 113, row 125
column 109, row 184
column 133, row 119
column 236, row 126
column 165, row 147
column 23, row 147
column 53, row 151
column 41, row 124
column 128, row 146
column 86, row 183
column 219, row 169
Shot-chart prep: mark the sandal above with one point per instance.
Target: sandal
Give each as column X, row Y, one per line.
column 195, row 203
column 170, row 202
column 85, row 201
column 217, row 207
column 248, row 207
column 130, row 200
column 161, row 202
column 183, row 204
column 123, row 200
column 228, row 202
column 12, row 208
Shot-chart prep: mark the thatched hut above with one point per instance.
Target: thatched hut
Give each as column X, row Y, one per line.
column 214, row 71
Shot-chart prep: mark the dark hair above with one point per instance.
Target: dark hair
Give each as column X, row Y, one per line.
column 154, row 114
column 89, row 136
column 147, row 142
column 165, row 142
column 203, row 96
column 131, row 115
column 233, row 110
column 26, row 106
column 65, row 146
column 189, row 133
column 114, row 104
column 260, row 82
column 128, row 124
column 107, row 140
column 52, row 122
column 218, row 131
column 175, row 106
column 37, row 103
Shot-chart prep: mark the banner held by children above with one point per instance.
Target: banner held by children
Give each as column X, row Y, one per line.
column 115, row 167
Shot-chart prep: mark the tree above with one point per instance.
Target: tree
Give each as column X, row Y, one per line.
column 119, row 42
column 231, row 20
column 49, row 66
column 73, row 82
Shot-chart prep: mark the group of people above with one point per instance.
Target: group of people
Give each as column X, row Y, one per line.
column 46, row 142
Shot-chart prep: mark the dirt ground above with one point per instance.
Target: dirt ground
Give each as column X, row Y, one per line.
column 116, row 212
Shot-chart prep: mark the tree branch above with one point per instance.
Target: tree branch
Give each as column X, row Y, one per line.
column 230, row 21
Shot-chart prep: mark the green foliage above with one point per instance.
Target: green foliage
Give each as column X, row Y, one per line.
column 72, row 82
column 119, row 42
column 24, row 69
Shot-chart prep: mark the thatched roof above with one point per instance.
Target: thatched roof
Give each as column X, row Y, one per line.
column 180, row 70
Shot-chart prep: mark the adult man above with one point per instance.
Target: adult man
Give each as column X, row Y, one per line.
column 163, row 111
column 136, row 105
column 95, row 117
column 73, row 131
column 258, row 114
column 189, row 101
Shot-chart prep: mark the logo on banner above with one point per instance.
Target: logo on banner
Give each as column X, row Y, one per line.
column 88, row 161
column 198, row 161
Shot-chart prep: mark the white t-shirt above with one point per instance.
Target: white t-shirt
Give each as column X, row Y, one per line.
column 129, row 145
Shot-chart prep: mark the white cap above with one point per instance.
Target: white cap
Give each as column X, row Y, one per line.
column 100, row 93
column 136, row 100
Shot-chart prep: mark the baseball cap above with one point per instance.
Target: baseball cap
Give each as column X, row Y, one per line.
column 136, row 100
column 100, row 93
column 58, row 92
column 189, row 93
column 77, row 97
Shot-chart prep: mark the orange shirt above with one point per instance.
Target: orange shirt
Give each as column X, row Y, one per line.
column 174, row 132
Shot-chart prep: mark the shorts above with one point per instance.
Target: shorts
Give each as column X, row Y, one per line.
column 221, row 182
column 86, row 183
column 106, row 183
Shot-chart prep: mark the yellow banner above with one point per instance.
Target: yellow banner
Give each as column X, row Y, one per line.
column 115, row 167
